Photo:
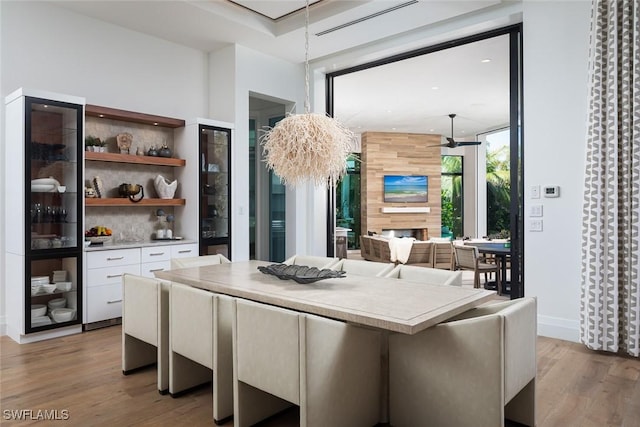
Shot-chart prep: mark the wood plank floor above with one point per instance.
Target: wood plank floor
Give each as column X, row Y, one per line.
column 82, row 375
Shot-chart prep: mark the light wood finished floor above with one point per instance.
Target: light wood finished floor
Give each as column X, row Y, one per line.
column 82, row 374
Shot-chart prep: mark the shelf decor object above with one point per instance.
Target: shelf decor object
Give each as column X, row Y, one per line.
column 166, row 189
column 308, row 147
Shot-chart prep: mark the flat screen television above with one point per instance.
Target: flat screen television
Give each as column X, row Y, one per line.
column 405, row 188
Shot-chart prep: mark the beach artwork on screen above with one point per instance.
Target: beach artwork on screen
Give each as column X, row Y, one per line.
column 405, row 188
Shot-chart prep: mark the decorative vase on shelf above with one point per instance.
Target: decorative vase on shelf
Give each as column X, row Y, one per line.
column 165, row 188
column 153, row 151
column 165, row 151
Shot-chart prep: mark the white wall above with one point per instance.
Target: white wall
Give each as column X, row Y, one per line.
column 556, row 43
column 45, row 47
column 556, row 38
column 48, row 48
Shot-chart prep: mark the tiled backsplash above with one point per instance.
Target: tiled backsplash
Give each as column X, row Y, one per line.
column 129, row 223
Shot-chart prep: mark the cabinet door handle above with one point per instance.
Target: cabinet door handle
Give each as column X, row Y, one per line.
column 153, row 270
column 156, row 254
column 114, row 301
column 115, row 258
column 185, row 251
column 111, row 276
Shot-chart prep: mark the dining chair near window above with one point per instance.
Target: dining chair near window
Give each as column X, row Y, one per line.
column 320, row 262
column 473, row 370
column 363, row 268
column 468, row 258
column 198, row 261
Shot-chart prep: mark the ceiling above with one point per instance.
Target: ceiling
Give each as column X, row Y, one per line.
column 396, row 96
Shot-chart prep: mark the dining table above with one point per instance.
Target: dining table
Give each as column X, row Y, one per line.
column 389, row 305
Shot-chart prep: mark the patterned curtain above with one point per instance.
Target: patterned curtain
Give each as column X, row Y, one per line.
column 610, row 303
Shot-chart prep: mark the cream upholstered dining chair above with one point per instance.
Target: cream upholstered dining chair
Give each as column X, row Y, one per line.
column 200, row 348
column 145, row 326
column 283, row 358
column 468, row 258
column 430, row 276
column 363, row 268
column 198, row 261
column 474, row 370
column 319, row 262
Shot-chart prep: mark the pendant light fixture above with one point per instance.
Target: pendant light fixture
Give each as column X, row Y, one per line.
column 309, row 147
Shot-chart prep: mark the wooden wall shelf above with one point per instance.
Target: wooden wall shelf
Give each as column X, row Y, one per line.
column 130, row 116
column 126, row 202
column 130, row 158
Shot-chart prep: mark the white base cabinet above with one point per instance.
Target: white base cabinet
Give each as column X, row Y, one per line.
column 105, row 268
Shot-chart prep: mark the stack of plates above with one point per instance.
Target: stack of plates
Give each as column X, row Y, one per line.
column 40, row 321
column 59, row 276
column 37, row 282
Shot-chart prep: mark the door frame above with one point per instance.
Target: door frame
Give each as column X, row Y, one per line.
column 516, row 135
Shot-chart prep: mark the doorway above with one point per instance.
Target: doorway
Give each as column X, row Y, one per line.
column 378, row 104
column 267, row 195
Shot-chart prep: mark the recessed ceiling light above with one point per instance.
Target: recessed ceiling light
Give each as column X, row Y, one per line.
column 388, row 111
column 435, row 87
column 431, row 130
column 155, row 124
column 486, row 60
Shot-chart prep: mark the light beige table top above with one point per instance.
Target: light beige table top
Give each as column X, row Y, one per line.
column 390, row 304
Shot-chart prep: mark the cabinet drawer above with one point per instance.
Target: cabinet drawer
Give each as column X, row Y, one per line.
column 115, row 257
column 104, row 302
column 184, row 251
column 149, row 268
column 110, row 275
column 156, row 253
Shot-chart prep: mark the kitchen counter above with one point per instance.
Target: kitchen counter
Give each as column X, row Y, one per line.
column 142, row 244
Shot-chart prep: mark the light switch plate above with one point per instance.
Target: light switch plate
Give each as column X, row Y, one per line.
column 535, row 225
column 535, row 210
column 535, row 191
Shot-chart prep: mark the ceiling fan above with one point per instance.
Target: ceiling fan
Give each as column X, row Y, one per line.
column 452, row 143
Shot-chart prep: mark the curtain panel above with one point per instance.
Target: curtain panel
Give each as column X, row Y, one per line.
column 610, row 293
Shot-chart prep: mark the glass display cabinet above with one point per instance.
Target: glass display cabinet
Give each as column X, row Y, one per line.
column 43, row 186
column 215, row 190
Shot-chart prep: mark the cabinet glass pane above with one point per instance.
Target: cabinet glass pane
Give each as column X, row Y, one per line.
column 215, row 192
column 53, row 132
column 53, row 294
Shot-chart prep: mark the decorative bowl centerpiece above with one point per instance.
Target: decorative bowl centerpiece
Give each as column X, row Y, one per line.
column 300, row 273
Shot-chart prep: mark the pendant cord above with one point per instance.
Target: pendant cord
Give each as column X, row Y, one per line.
column 307, row 104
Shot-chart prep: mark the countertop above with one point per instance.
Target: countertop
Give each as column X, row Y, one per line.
column 142, row 244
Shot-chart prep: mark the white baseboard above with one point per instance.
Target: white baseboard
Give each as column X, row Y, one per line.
column 562, row 329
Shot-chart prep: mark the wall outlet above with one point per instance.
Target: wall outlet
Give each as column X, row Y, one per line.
column 535, row 225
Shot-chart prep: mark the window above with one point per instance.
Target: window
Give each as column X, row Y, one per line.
column 452, row 218
column 348, row 201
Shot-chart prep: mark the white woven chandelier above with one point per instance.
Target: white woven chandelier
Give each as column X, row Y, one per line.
column 309, row 147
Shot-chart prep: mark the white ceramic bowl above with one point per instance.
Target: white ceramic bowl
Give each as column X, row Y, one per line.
column 38, row 310
column 35, row 289
column 63, row 286
column 63, row 314
column 48, row 289
column 57, row 303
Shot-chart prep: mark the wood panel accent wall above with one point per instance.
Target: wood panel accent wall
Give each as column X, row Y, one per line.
column 399, row 154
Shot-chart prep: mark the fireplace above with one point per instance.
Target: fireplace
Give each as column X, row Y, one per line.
column 416, row 233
